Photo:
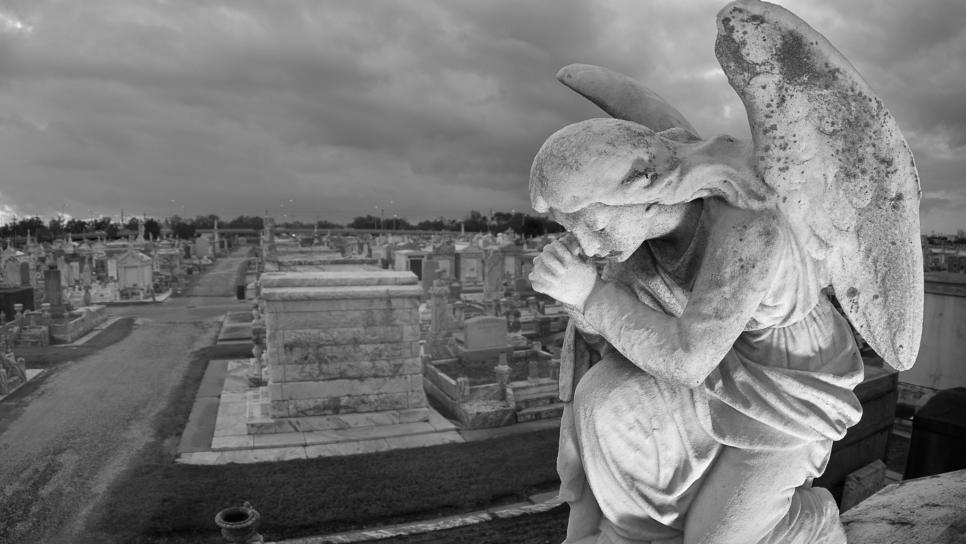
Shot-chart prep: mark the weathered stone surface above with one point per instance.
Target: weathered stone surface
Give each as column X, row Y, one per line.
column 862, row 484
column 343, row 388
column 337, row 278
column 302, row 294
column 351, row 369
column 339, row 319
column 348, row 404
column 927, row 510
column 341, row 421
column 337, row 304
column 279, row 408
column 351, row 335
column 298, row 352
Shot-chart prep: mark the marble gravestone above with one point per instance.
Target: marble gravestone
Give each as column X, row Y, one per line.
column 725, row 372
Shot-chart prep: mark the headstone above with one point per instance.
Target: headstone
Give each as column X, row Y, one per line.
column 11, row 272
column 52, row 291
column 112, row 269
column 493, row 276
column 510, row 266
column 483, row 332
column 430, row 273
column 25, row 274
column 470, row 268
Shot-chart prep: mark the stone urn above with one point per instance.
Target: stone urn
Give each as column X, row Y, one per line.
column 239, row 524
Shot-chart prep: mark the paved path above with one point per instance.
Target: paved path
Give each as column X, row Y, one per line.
column 63, row 442
column 219, row 279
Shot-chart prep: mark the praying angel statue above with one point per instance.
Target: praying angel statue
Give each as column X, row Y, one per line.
column 706, row 371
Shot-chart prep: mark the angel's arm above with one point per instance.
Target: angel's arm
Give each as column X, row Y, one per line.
column 734, row 274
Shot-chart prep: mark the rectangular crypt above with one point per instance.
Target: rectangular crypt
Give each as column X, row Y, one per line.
column 342, row 350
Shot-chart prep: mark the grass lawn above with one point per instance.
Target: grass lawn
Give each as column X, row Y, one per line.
column 51, row 356
column 158, row 501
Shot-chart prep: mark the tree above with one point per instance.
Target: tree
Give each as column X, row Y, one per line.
column 245, row 222
column 56, row 227
column 475, row 222
column 152, row 228
column 367, row 222
column 323, row 224
column 398, row 223
column 76, row 226
column 181, row 229
column 433, row 224
column 206, row 221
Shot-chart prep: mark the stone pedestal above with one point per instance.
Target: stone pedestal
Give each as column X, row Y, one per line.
column 342, row 349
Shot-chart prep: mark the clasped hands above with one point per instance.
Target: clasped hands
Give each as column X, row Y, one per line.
column 561, row 272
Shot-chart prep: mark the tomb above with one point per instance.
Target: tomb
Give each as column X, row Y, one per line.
column 135, row 275
column 342, row 351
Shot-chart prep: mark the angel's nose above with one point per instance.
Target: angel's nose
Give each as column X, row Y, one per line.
column 589, row 244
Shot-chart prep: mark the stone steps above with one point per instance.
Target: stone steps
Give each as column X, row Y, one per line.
column 545, row 411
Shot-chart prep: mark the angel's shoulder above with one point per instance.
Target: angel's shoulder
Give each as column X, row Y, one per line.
column 743, row 226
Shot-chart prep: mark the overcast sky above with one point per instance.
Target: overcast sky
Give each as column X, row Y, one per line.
column 419, row 108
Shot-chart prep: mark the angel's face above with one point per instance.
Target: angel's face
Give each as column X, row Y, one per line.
column 598, row 161
column 607, row 232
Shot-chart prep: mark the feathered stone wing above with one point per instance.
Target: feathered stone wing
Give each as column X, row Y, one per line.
column 842, row 171
column 623, row 97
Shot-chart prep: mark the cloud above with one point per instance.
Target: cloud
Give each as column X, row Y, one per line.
column 343, row 107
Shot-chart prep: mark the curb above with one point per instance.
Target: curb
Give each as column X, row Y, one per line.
column 420, row 527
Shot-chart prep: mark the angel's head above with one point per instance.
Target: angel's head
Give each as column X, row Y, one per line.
column 601, row 180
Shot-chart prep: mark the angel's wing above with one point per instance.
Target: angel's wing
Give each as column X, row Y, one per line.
column 842, row 171
column 623, row 97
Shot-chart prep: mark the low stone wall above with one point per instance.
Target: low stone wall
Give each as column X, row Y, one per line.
column 475, row 407
column 342, row 342
column 90, row 318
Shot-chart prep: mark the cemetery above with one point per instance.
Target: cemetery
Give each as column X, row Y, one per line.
column 697, row 338
column 371, row 345
column 337, row 350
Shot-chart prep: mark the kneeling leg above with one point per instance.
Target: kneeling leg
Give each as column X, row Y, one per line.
column 763, row 496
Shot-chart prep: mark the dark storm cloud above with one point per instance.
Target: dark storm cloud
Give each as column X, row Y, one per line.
column 337, row 109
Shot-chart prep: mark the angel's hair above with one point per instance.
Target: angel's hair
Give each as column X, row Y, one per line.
column 618, row 162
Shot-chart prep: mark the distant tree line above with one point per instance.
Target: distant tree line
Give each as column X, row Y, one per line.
column 187, row 228
column 59, row 227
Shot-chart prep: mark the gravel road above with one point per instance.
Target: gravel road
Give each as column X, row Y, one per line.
column 65, row 440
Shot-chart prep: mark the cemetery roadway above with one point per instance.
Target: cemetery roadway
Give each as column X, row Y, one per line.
column 64, row 441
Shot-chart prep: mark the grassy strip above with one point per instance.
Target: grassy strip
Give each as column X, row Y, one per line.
column 51, row 356
column 158, row 501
